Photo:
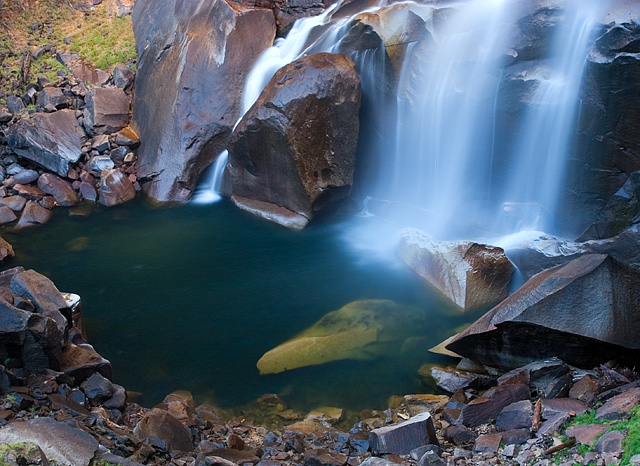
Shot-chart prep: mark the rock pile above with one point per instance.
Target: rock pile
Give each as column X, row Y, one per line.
column 65, row 141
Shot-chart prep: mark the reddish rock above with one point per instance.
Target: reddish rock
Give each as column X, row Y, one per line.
column 106, row 110
column 551, row 408
column 48, row 202
column 619, row 406
column 470, row 275
column 29, row 192
column 6, row 250
column 295, row 148
column 492, row 402
column 60, row 189
column 7, row 215
column 586, row 434
column 82, row 70
column 234, row 456
column 459, row 435
column 15, row 203
column 33, row 215
column 487, row 443
column 518, row 415
column 115, row 188
column 81, row 361
column 162, row 425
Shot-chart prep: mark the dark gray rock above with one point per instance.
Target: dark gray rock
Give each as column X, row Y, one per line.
column 539, row 319
column 26, row 176
column 60, row 189
column 87, row 191
column 123, row 77
column 7, row 215
column 295, row 148
column 492, row 402
column 82, row 70
column 430, row 458
column 39, row 290
column 516, row 437
column 58, row 441
column 552, row 424
column 15, row 104
column 551, row 408
column 118, row 399
column 51, row 96
column 186, row 104
column 611, row 442
column 518, row 415
column 400, row 439
column 619, row 406
column 98, row 389
column 460, row 435
column 52, row 140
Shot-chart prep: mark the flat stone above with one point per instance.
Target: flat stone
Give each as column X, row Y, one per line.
column 323, row 457
column 416, row 404
column 39, row 290
column 552, row 424
column 518, row 415
column 586, row 434
column 492, row 402
column 551, row 408
column 306, row 427
column 325, row 414
column 516, row 437
column 619, row 406
column 452, row 380
column 610, row 442
column 15, row 203
column 585, row 389
column 235, row 456
column 58, row 441
column 7, row 215
column 106, row 110
column 30, row 192
column 400, row 439
column 487, row 443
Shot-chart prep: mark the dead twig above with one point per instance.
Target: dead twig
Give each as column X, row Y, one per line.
column 562, row 446
column 537, row 415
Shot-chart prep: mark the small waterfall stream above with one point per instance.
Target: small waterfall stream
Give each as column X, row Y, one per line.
column 436, row 151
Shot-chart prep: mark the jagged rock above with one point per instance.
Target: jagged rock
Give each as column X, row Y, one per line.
column 539, row 319
column 30, row 192
column 6, row 250
column 7, row 215
column 51, row 96
column 460, row 435
column 308, row 113
column 98, row 389
column 619, row 406
column 60, row 189
column 106, row 110
column 400, row 439
column 101, row 143
column 452, row 380
column 186, row 104
column 516, row 437
column 492, row 402
column 82, row 70
column 518, row 415
column 471, row 275
column 97, row 164
column 15, row 104
column 162, row 425
column 417, row 404
column 610, row 442
column 81, row 361
column 123, row 76
column 115, row 188
column 127, row 137
column 33, row 215
column 118, row 399
column 487, row 443
column 52, row 140
column 39, row 290
column 58, row 441
column 557, row 406
column 585, row 389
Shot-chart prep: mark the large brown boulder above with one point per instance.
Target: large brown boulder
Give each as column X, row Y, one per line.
column 106, row 110
column 295, row 148
column 584, row 312
column 469, row 274
column 192, row 61
column 115, row 188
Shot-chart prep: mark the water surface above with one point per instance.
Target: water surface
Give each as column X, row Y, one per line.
column 191, row 297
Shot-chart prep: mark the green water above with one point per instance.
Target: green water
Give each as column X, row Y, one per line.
column 191, row 297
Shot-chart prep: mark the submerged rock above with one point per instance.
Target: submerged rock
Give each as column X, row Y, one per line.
column 540, row 320
column 295, row 148
column 469, row 274
column 351, row 332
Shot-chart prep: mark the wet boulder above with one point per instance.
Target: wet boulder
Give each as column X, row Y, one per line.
column 584, row 312
column 469, row 274
column 52, row 140
column 192, row 61
column 60, row 189
column 106, row 110
column 33, row 215
column 295, row 148
column 115, row 188
column 166, row 428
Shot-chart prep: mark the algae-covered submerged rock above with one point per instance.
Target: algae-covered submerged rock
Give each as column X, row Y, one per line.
column 351, row 332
